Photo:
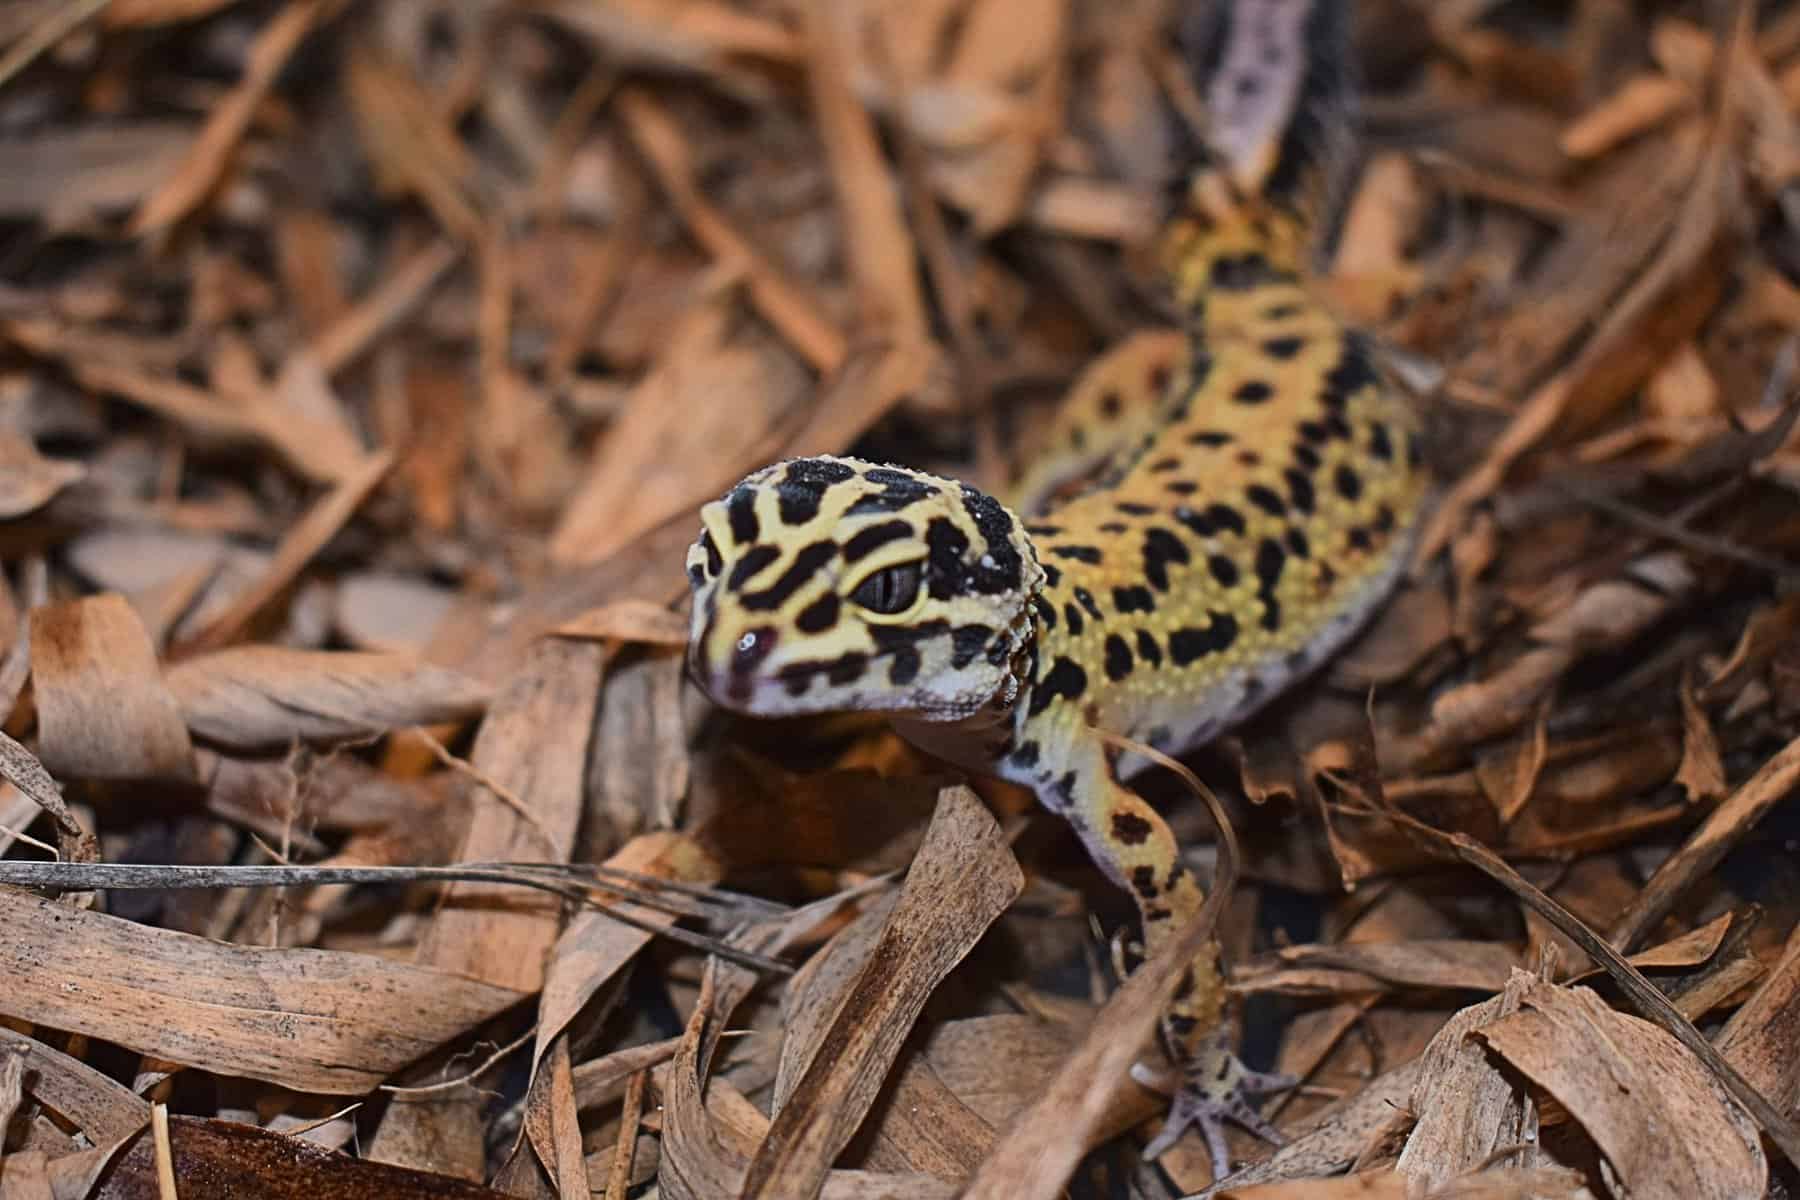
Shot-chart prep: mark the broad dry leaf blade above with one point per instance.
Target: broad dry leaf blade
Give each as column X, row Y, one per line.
column 263, row 697
column 1667, row 1128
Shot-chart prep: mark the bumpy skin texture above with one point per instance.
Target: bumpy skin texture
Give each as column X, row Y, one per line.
column 1256, row 492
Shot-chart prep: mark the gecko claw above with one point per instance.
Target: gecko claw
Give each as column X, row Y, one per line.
column 1214, row 1089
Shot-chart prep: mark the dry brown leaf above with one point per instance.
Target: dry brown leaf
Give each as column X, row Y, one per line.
column 313, row 1020
column 28, row 480
column 1666, row 1127
column 1724, row 828
column 629, row 621
column 649, row 467
column 206, row 160
column 104, row 711
column 90, row 1100
column 1643, row 103
column 1759, row 1038
column 961, row 881
column 219, row 1160
column 304, row 539
column 786, row 305
column 256, row 697
column 1467, row 1109
column 69, row 176
column 530, row 758
column 1702, row 771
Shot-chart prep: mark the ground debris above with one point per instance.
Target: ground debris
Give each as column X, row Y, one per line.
column 363, row 367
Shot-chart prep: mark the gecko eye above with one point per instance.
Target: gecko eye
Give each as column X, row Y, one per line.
column 889, row 591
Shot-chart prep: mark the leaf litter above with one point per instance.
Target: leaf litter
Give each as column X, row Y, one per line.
column 364, row 367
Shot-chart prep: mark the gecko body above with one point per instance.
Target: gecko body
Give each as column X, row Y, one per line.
column 1257, row 487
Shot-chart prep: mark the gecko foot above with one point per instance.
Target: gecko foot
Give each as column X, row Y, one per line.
column 1213, row 1089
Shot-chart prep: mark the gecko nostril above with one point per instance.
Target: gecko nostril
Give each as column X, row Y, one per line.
column 752, row 648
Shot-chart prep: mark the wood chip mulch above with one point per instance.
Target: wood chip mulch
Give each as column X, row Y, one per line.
column 362, row 366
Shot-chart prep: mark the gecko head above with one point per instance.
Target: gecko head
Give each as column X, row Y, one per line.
column 834, row 585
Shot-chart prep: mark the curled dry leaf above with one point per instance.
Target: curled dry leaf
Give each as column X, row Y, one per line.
column 253, row 697
column 103, row 709
column 1666, row 1127
column 1466, row 1108
column 27, row 479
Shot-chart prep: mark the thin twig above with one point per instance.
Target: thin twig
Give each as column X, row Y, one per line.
column 82, row 877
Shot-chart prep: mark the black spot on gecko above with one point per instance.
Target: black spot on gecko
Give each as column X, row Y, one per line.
column 1163, row 465
column 1209, row 437
column 1354, row 370
column 1147, row 648
column 1134, row 599
column 751, row 565
column 1194, row 521
column 1297, row 544
column 740, row 509
column 1223, row 516
column 966, row 642
column 1266, row 499
column 1253, row 391
column 1064, row 679
column 1359, row 539
column 1072, row 615
column 1300, row 489
column 866, row 541
column 1189, row 645
column 1349, row 483
column 1239, row 273
column 905, row 666
column 945, row 549
column 818, row 616
column 1110, row 404
column 1270, row 558
column 1283, row 348
column 1306, row 456
column 1161, row 548
column 1052, row 574
column 1118, row 658
column 1133, row 509
column 1000, row 568
column 1181, row 487
column 1114, row 527
column 1043, row 530
column 1129, row 829
column 1086, row 599
column 1384, row 519
column 1143, row 882
column 898, row 490
column 846, row 668
column 1380, row 446
column 714, row 563
column 802, row 488
column 1223, row 570
column 1084, row 554
column 1046, row 611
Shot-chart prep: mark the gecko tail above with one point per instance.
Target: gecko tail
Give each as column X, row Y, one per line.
column 1279, row 86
